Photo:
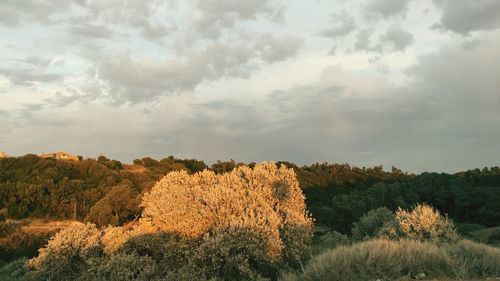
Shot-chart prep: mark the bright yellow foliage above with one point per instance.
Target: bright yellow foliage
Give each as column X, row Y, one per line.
column 264, row 200
column 425, row 223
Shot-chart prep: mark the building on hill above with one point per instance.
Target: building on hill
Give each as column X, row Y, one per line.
column 60, row 155
column 3, row 154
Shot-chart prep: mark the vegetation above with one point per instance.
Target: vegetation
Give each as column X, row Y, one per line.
column 244, row 225
column 395, row 260
column 231, row 221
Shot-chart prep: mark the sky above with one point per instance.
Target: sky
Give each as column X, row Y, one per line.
column 408, row 83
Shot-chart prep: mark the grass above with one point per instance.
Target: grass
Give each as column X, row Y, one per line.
column 402, row 260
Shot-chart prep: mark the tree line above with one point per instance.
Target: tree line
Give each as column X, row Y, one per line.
column 106, row 191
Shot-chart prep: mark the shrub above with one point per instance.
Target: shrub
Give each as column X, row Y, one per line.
column 113, row 238
column 329, row 240
column 233, row 254
column 120, row 267
column 265, row 201
column 15, row 270
column 370, row 223
column 170, row 251
column 423, row 223
column 69, row 251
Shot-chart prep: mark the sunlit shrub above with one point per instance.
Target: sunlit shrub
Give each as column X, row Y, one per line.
column 265, row 200
column 113, row 238
column 68, row 251
column 422, row 223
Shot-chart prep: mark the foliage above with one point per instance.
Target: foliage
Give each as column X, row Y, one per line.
column 422, row 223
column 69, row 251
column 329, row 240
column 118, row 206
column 31, row 186
column 370, row 223
column 245, row 225
column 264, row 200
column 15, row 270
column 122, row 267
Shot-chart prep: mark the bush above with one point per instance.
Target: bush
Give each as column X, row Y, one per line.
column 328, row 241
column 69, row 251
column 15, row 270
column 423, row 223
column 170, row 251
column 233, row 254
column 265, row 201
column 370, row 223
column 120, row 267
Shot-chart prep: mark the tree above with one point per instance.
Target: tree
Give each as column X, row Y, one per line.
column 117, row 206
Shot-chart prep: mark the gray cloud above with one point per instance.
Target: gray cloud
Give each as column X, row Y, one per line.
column 464, row 16
column 445, row 117
column 138, row 80
column 397, row 38
column 37, row 61
column 27, row 77
column 91, row 31
column 275, row 49
column 213, row 16
column 16, row 12
column 343, row 24
column 363, row 41
column 386, row 8
column 446, row 114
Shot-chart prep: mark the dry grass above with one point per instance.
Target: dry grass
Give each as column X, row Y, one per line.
column 39, row 226
column 401, row 260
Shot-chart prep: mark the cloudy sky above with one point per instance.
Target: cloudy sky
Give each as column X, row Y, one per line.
column 409, row 83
